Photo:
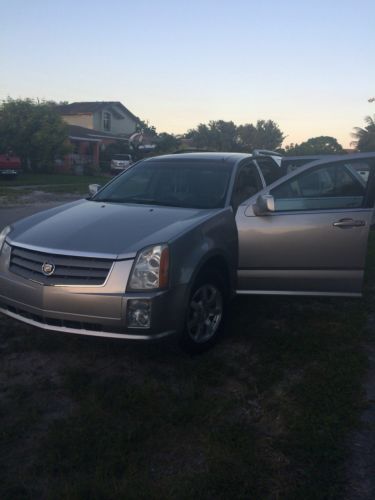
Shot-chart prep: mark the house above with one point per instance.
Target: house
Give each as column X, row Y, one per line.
column 94, row 125
column 103, row 116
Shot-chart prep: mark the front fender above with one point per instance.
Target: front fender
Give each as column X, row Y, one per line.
column 214, row 238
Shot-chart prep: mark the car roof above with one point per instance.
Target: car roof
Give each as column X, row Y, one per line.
column 203, row 156
column 233, row 158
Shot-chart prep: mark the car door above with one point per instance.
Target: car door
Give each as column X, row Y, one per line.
column 312, row 239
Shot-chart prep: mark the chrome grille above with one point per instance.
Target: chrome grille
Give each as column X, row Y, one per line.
column 68, row 270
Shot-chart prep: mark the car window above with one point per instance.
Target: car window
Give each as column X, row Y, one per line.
column 290, row 164
column 247, row 184
column 181, row 183
column 335, row 185
column 270, row 170
column 363, row 169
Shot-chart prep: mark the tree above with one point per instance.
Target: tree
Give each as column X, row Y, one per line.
column 167, row 143
column 200, row 136
column 226, row 136
column 321, row 145
column 218, row 135
column 266, row 134
column 34, row 131
column 365, row 137
column 146, row 128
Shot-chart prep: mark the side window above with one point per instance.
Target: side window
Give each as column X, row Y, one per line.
column 291, row 165
column 247, row 184
column 332, row 186
column 270, row 170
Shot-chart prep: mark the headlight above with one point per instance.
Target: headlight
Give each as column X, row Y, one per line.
column 3, row 235
column 150, row 270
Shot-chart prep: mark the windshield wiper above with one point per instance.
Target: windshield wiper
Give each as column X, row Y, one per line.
column 150, row 201
column 101, row 200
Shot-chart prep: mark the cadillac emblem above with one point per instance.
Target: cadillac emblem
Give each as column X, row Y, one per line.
column 48, row 268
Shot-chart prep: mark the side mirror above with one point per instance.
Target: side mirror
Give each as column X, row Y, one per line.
column 94, row 188
column 265, row 204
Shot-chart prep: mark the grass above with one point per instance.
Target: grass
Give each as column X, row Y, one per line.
column 12, row 190
column 266, row 414
column 52, row 179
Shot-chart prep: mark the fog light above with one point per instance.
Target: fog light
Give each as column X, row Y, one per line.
column 138, row 313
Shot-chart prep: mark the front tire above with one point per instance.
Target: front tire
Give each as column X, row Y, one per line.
column 205, row 313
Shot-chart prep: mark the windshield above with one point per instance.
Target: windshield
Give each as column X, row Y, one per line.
column 189, row 184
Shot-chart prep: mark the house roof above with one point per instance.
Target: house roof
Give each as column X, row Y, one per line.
column 82, row 133
column 77, row 108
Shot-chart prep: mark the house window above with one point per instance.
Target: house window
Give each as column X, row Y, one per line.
column 106, row 121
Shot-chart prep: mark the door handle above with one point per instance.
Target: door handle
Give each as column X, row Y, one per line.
column 349, row 223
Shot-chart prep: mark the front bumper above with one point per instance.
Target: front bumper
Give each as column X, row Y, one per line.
column 99, row 311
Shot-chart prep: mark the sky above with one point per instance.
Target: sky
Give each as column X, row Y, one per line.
column 307, row 65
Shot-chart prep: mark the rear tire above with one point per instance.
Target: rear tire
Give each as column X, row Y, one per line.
column 205, row 313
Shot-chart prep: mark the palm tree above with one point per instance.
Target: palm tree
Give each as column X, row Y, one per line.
column 365, row 137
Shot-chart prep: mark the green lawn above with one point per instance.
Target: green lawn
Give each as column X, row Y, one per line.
column 12, row 190
column 263, row 415
column 52, row 180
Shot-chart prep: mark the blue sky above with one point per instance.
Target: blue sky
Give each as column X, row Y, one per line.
column 309, row 66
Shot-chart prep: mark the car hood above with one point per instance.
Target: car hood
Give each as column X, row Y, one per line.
column 109, row 229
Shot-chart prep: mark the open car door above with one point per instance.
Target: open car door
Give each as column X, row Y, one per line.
column 307, row 233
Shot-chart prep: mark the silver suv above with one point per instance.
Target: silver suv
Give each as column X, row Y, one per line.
column 161, row 249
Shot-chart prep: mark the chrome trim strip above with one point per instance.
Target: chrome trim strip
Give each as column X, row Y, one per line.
column 73, row 253
column 305, row 211
column 68, row 253
column 286, row 292
column 92, row 333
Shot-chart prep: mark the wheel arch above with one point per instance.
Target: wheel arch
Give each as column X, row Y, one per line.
column 214, row 262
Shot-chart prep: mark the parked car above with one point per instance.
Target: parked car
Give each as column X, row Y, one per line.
column 10, row 165
column 120, row 162
column 161, row 248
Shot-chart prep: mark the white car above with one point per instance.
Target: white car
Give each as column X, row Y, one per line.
column 120, row 162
